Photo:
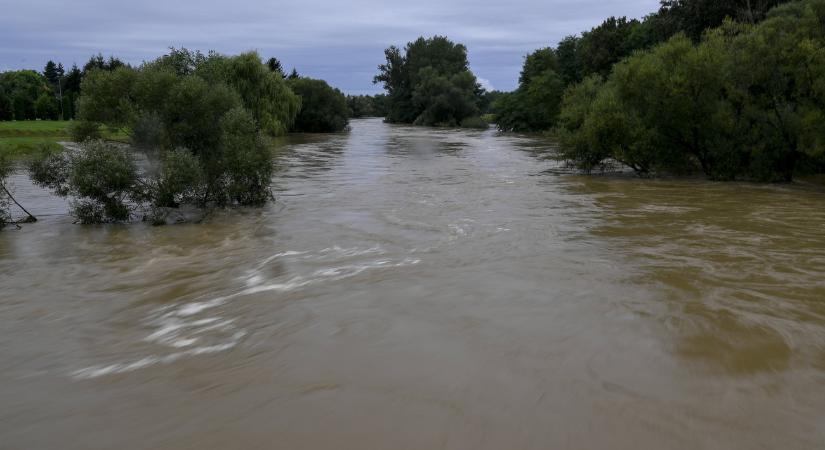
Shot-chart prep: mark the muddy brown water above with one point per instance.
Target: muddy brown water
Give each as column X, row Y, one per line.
column 424, row 289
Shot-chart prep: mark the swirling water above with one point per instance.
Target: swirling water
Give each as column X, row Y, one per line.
column 418, row 289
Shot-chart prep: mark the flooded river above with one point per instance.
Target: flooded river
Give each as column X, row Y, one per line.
column 421, row 289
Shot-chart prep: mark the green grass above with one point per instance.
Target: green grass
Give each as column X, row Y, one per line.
column 19, row 139
column 34, row 128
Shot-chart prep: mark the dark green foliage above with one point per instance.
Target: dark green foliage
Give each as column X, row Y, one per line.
column 693, row 17
column 179, row 180
column 107, row 96
column 488, row 100
column 430, row 83
column 6, row 106
column 606, row 45
column 535, row 104
column 97, row 62
column 247, row 160
column 745, row 103
column 367, row 105
column 275, row 66
column 20, row 91
column 47, row 107
column 475, row 123
column 199, row 118
column 323, row 108
column 51, row 73
column 84, row 130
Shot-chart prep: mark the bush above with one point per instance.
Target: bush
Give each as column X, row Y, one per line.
column 100, row 177
column 247, row 160
column 179, row 180
column 84, row 130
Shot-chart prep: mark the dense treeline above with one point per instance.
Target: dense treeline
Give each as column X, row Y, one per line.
column 534, row 105
column 746, row 102
column 732, row 89
column 50, row 95
column 429, row 82
column 367, row 105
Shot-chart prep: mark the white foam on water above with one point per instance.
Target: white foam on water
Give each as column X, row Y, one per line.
column 177, row 327
column 91, row 372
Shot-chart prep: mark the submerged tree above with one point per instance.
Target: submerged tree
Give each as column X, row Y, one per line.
column 200, row 121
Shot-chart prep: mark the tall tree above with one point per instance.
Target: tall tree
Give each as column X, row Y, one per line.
column 51, row 73
column 429, row 83
column 275, row 66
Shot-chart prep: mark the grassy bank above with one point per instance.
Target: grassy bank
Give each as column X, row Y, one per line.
column 22, row 138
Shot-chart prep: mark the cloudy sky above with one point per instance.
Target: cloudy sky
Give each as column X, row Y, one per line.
column 340, row 41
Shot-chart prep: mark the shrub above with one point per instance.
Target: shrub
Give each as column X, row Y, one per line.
column 100, row 177
column 84, row 130
column 247, row 160
column 179, row 180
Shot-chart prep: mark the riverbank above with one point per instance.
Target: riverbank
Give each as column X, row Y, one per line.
column 22, row 138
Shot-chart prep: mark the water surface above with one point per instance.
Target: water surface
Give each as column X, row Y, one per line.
column 424, row 289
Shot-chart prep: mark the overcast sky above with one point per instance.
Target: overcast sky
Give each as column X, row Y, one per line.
column 340, row 41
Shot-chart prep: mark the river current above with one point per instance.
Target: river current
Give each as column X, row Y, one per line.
column 417, row 288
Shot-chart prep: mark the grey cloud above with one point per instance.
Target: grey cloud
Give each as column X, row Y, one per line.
column 340, row 41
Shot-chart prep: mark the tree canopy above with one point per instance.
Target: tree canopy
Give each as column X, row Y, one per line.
column 429, row 83
column 747, row 102
column 323, row 108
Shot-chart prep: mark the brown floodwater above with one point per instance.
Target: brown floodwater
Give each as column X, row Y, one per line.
column 415, row 288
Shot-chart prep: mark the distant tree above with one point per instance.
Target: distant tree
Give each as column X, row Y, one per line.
column 535, row 104
column 98, row 62
column 47, row 107
column 693, row 17
column 429, row 83
column 294, row 74
column 51, row 73
column 323, row 108
column 6, row 106
column 275, row 66
column 73, row 79
column 361, row 106
column 22, row 88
